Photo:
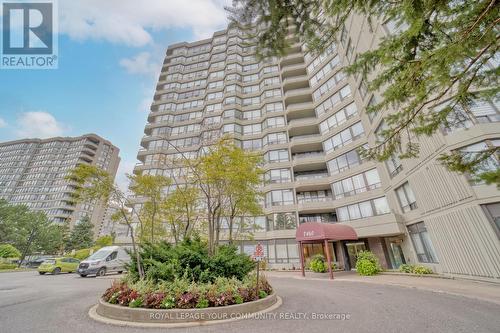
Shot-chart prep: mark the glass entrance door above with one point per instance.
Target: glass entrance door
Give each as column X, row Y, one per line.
column 352, row 252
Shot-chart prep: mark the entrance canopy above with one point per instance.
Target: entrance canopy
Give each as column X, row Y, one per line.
column 316, row 232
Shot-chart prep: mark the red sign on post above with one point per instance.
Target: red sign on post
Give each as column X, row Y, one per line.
column 258, row 253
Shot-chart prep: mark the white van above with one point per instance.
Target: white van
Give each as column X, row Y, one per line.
column 106, row 259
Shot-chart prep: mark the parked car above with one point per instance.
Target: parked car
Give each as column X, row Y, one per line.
column 58, row 265
column 107, row 259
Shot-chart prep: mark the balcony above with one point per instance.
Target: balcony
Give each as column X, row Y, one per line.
column 306, row 137
column 312, row 181
column 305, row 143
column 295, row 82
column 293, row 70
column 300, row 95
column 303, row 126
column 293, row 58
column 315, row 205
column 309, row 155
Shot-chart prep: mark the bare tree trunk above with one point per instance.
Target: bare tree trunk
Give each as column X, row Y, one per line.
column 153, row 215
column 134, row 246
column 27, row 247
column 230, row 225
column 217, row 228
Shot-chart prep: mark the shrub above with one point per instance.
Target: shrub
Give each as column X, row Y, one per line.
column 84, row 253
column 365, row 267
column 318, row 264
column 367, row 263
column 238, row 299
column 154, row 300
column 168, row 303
column 415, row 269
column 9, row 251
column 422, row 270
column 104, row 241
column 405, row 268
column 185, row 294
column 4, row 265
column 188, row 300
column 202, row 303
column 190, row 260
column 135, row 303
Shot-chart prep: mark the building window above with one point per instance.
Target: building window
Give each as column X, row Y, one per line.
column 406, row 198
column 278, row 176
column 360, row 183
column 275, row 156
column 363, row 209
column 422, row 243
column 394, row 165
column 281, row 221
column 491, row 163
column 493, row 213
column 279, row 198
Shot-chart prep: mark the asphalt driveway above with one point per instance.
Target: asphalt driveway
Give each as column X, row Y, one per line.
column 33, row 303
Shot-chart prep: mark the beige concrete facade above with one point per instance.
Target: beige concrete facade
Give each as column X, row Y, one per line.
column 33, row 171
column 308, row 119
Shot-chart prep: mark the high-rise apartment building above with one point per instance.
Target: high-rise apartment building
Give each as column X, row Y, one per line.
column 308, row 120
column 33, row 171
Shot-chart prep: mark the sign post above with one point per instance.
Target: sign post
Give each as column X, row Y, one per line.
column 258, row 256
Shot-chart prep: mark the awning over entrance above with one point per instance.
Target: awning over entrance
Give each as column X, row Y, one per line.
column 314, row 231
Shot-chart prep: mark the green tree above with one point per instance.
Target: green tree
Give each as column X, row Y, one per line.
column 227, row 178
column 444, row 51
column 93, row 183
column 32, row 231
column 104, row 241
column 9, row 251
column 244, row 176
column 151, row 190
column 52, row 240
column 29, row 231
column 180, row 212
column 82, row 235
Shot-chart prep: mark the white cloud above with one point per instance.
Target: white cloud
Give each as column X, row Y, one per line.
column 141, row 64
column 39, row 124
column 3, row 123
column 130, row 22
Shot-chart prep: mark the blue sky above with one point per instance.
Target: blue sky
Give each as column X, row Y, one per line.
column 110, row 53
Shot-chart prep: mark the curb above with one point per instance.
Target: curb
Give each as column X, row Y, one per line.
column 436, row 276
column 104, row 320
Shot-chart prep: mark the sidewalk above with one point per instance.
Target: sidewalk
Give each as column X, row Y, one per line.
column 484, row 291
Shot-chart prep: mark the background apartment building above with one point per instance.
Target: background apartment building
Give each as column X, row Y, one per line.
column 308, row 120
column 33, row 171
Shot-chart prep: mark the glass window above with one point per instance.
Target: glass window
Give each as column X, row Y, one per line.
column 381, row 206
column 493, row 212
column 406, row 197
column 422, row 243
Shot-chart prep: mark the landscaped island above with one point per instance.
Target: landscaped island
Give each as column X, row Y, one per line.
column 185, row 277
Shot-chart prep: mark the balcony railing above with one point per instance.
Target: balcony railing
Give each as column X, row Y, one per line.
column 312, row 199
column 311, row 176
column 305, row 136
column 299, row 156
column 357, row 191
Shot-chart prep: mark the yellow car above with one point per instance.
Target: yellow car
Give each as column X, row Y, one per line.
column 58, row 265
